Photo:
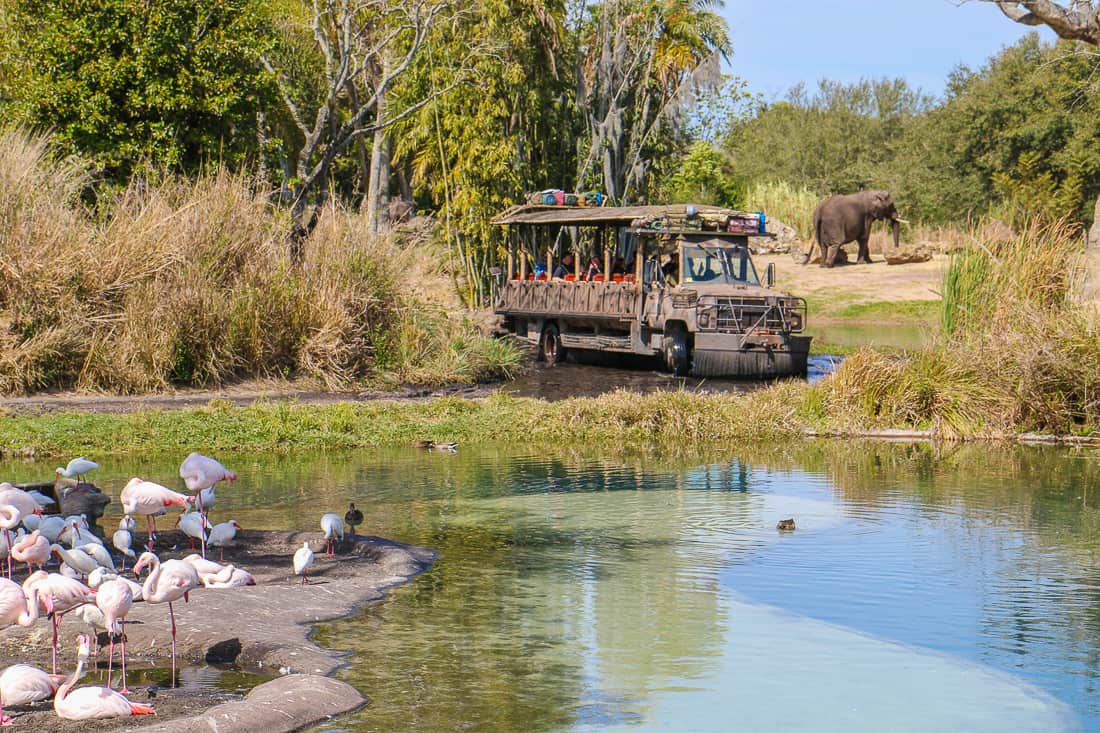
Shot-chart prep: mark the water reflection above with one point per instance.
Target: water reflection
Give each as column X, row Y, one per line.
column 925, row 588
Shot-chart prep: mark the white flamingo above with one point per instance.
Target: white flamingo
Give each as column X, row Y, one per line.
column 199, row 474
column 150, row 499
column 215, row 575
column 303, row 558
column 167, row 582
column 333, row 526
column 92, row 703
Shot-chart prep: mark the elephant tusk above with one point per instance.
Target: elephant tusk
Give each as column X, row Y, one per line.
column 902, row 221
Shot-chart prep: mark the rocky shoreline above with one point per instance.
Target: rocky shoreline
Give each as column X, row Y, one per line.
column 263, row 629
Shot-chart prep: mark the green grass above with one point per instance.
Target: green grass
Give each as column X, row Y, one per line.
column 901, row 311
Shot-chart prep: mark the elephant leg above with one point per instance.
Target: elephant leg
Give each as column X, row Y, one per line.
column 864, row 254
column 828, row 255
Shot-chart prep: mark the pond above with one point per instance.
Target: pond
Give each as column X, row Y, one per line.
column 923, row 589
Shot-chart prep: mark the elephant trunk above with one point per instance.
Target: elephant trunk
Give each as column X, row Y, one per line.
column 896, row 227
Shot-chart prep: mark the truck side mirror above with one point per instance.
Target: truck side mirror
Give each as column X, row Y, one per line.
column 769, row 275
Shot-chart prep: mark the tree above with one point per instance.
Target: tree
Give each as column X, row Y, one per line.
column 636, row 58
column 705, row 176
column 1078, row 20
column 366, row 46
column 175, row 82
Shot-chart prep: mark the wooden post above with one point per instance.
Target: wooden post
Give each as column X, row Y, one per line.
column 606, row 255
column 576, row 266
column 639, row 261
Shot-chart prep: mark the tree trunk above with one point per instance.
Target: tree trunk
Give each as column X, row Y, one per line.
column 379, row 165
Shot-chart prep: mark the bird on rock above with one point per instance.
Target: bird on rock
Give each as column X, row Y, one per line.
column 303, row 558
column 353, row 518
column 77, row 468
column 333, row 527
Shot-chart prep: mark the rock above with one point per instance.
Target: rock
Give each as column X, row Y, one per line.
column 83, row 498
column 841, row 258
column 906, row 255
column 286, row 704
column 224, row 652
column 784, row 240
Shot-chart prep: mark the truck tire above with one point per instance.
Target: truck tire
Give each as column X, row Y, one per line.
column 550, row 349
column 677, row 354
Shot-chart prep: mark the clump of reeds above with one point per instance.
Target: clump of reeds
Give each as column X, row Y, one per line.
column 792, row 205
column 188, row 283
column 1019, row 353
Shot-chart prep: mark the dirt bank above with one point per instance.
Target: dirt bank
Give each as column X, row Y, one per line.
column 262, row 629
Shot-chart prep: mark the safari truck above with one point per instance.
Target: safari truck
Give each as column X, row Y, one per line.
column 673, row 282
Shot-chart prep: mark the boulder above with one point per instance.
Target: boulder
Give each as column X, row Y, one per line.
column 905, row 255
column 783, row 240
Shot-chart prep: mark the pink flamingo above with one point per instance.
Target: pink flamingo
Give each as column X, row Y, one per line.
column 148, row 498
column 22, row 684
column 199, row 473
column 16, row 607
column 34, row 549
column 215, row 575
column 168, row 581
column 115, row 598
column 57, row 595
column 10, row 516
column 92, row 703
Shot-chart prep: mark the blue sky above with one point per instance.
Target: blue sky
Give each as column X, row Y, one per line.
column 777, row 43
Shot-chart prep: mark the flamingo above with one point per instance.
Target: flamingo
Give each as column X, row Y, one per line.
column 303, row 558
column 17, row 606
column 77, row 468
column 114, row 598
column 148, row 498
column 10, row 517
column 34, row 549
column 353, row 518
column 123, row 540
column 19, row 499
column 167, row 582
column 214, row 575
column 199, row 474
column 22, row 684
column 92, row 703
column 57, row 595
column 333, row 526
column 220, row 534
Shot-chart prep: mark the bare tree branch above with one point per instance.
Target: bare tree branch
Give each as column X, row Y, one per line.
column 1079, row 20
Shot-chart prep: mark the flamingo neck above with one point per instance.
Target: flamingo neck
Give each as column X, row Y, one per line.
column 148, row 588
column 30, row 616
column 63, row 690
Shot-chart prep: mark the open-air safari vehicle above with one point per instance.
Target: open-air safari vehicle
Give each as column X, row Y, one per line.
column 671, row 281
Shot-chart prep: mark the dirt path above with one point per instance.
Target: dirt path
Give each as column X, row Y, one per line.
column 263, row 629
column 852, row 283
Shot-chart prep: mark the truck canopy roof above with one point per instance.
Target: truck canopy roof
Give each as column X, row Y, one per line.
column 607, row 215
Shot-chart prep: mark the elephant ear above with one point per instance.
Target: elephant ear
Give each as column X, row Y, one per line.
column 881, row 201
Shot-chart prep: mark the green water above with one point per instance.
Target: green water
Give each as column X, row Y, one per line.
column 924, row 589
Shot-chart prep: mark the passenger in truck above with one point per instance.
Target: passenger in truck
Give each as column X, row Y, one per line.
column 565, row 267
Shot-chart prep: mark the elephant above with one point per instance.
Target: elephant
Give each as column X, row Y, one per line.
column 839, row 219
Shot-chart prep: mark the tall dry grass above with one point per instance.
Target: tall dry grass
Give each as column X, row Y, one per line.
column 790, row 204
column 189, row 282
column 1020, row 351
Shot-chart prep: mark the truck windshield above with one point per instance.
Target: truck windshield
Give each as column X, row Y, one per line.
column 730, row 265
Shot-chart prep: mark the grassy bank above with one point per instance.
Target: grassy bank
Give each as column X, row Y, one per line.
column 179, row 282
column 619, row 421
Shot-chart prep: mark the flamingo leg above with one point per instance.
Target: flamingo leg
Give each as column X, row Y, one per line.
column 151, row 528
column 221, row 554
column 124, row 691
column 56, row 620
column 172, row 616
column 7, row 536
column 202, row 529
column 110, row 656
